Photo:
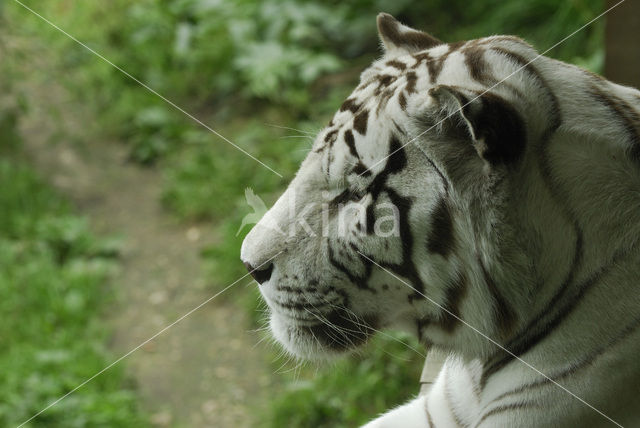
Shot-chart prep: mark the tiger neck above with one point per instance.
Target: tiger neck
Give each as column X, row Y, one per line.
column 492, row 295
column 573, row 235
column 479, row 303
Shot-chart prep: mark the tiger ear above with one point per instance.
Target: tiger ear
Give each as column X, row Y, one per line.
column 400, row 38
column 494, row 126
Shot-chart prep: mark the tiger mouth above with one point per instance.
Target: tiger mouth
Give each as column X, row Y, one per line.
column 337, row 331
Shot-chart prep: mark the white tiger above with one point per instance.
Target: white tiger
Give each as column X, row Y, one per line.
column 513, row 185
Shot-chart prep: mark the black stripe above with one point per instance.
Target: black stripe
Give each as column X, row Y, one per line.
column 385, row 80
column 351, row 143
column 383, row 99
column 388, row 28
column 530, row 335
column 625, row 113
column 478, row 67
column 445, row 182
column 448, row 399
column 454, row 295
column 435, row 65
column 362, row 86
column 505, row 408
column 402, row 100
column 411, row 82
column 360, row 121
column 420, row 58
column 500, row 126
column 593, row 76
column 441, row 239
column 503, row 314
column 396, row 64
column 396, row 162
column 351, row 105
column 406, row 268
column 329, row 139
column 361, row 169
column 342, row 198
column 371, row 219
column 429, row 420
column 361, row 281
column 561, row 314
column 574, row 367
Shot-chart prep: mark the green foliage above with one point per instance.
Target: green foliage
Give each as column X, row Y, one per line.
column 207, row 182
column 351, row 391
column 204, row 55
column 543, row 23
column 51, row 274
column 8, row 129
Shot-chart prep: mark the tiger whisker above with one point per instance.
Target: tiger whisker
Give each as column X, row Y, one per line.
column 335, row 328
column 343, row 331
column 287, row 360
column 298, row 136
column 259, row 329
column 264, row 337
column 291, row 129
column 357, row 318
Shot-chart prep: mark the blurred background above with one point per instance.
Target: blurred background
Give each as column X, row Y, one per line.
column 119, row 213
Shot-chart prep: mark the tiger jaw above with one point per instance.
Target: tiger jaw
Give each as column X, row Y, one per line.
column 318, row 336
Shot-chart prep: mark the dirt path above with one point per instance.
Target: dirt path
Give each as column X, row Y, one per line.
column 203, row 372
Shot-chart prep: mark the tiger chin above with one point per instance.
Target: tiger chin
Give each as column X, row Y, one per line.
column 337, row 334
column 486, row 199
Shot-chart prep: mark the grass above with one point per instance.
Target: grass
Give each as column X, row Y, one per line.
column 352, row 390
column 52, row 296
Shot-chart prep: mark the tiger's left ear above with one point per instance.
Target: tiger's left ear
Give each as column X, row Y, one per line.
column 492, row 124
column 400, row 38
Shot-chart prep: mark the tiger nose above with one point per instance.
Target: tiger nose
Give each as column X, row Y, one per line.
column 261, row 273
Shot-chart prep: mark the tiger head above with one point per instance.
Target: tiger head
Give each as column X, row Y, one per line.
column 415, row 207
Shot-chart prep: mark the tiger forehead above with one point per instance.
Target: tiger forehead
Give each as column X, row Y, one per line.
column 405, row 63
column 379, row 85
column 429, row 62
column 399, row 77
column 391, row 75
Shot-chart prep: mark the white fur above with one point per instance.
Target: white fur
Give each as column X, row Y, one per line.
column 509, row 220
